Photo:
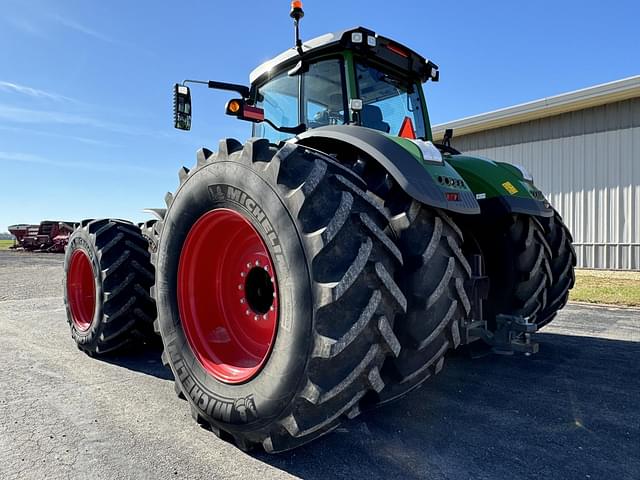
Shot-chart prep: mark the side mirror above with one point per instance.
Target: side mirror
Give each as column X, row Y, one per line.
column 181, row 107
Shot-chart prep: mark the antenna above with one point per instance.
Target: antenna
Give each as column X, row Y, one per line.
column 297, row 13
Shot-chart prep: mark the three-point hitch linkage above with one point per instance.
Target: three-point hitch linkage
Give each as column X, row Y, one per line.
column 511, row 334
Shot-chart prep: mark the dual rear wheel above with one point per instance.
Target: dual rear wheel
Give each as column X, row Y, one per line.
column 108, row 278
column 289, row 297
column 530, row 264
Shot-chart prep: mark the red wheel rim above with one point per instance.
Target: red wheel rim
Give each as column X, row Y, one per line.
column 227, row 296
column 81, row 290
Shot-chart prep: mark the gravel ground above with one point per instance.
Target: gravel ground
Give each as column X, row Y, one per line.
column 570, row 412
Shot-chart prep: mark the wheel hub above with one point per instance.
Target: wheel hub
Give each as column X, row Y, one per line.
column 81, row 290
column 227, row 295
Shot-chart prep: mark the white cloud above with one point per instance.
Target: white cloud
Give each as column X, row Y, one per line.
column 22, row 157
column 28, row 115
column 32, row 116
column 25, row 26
column 30, row 131
column 33, row 92
column 78, row 27
column 90, row 32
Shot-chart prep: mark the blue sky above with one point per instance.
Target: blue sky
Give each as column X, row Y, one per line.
column 85, row 87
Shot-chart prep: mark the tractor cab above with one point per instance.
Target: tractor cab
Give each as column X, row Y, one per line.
column 350, row 77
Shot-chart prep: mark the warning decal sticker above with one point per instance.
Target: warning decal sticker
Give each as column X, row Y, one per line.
column 508, row 186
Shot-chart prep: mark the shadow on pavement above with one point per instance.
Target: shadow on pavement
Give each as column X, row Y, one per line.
column 144, row 359
column 570, row 411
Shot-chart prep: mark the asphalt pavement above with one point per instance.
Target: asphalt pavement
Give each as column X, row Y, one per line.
column 570, row 412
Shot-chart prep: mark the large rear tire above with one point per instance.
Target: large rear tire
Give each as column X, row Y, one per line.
column 563, row 261
column 433, row 278
column 334, row 297
column 107, row 281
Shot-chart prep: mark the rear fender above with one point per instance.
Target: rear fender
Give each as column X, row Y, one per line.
column 426, row 182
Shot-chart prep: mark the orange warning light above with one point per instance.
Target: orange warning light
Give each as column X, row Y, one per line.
column 234, row 106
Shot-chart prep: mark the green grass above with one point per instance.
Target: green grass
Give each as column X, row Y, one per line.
column 5, row 244
column 615, row 288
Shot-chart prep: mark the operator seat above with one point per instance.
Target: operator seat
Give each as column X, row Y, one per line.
column 371, row 117
column 332, row 115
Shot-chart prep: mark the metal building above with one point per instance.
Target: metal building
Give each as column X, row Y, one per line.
column 583, row 149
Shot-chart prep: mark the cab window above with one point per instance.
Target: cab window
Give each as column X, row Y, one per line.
column 279, row 99
column 389, row 101
column 324, row 99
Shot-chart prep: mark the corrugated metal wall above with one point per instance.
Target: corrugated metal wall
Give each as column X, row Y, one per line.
column 588, row 164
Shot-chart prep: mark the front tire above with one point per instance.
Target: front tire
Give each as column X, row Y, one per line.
column 335, row 299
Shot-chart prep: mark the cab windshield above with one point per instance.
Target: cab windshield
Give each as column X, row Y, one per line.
column 318, row 98
column 391, row 104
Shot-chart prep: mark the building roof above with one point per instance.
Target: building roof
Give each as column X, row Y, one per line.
column 545, row 107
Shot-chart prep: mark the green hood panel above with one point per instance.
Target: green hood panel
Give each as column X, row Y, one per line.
column 500, row 187
column 490, row 179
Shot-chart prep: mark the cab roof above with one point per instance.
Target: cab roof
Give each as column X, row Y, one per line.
column 372, row 44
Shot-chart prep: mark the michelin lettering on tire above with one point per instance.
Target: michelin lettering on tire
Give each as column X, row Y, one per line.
column 243, row 200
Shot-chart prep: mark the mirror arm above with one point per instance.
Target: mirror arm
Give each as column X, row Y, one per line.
column 232, row 87
column 298, row 129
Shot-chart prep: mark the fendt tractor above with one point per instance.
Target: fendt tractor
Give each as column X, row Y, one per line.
column 328, row 265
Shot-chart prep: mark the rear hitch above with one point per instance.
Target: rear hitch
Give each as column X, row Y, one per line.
column 478, row 285
column 512, row 333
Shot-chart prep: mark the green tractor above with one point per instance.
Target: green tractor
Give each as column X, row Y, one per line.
column 329, row 264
